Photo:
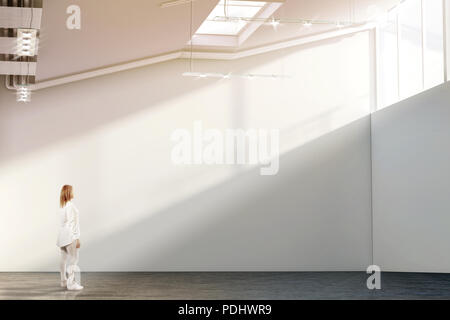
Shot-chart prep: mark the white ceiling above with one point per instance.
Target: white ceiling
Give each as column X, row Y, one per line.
column 119, row 31
column 112, row 32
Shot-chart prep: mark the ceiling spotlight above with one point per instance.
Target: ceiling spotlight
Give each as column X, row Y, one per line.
column 227, row 76
column 26, row 42
column 23, row 94
column 274, row 23
column 202, row 75
column 307, row 24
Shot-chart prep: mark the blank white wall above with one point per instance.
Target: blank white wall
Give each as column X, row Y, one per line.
column 411, row 183
column 110, row 138
column 313, row 216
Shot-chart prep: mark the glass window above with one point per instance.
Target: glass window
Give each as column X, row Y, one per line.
column 434, row 43
column 410, row 48
column 388, row 60
column 215, row 23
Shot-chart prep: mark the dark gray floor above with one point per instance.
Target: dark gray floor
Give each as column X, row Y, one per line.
column 233, row 285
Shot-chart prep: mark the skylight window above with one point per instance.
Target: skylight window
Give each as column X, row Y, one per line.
column 225, row 18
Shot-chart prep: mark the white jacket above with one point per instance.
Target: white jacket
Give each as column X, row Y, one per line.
column 69, row 226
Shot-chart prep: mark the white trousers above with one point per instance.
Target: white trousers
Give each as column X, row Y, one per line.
column 69, row 262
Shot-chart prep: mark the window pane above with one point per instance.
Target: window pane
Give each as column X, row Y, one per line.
column 410, row 48
column 434, row 43
column 388, row 61
column 232, row 9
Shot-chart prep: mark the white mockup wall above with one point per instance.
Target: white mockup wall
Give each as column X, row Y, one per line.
column 110, row 138
column 411, row 183
column 305, row 218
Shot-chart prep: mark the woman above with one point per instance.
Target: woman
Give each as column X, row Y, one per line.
column 69, row 239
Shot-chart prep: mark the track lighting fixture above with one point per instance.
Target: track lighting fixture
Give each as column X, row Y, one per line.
column 23, row 93
column 26, row 42
column 274, row 23
column 249, row 76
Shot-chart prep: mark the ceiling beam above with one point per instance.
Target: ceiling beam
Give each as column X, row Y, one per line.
column 203, row 40
column 173, row 3
column 202, row 55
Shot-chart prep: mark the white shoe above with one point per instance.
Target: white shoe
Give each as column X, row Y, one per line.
column 75, row 287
